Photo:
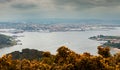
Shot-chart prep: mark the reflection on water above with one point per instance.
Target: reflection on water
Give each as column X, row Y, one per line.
column 77, row 41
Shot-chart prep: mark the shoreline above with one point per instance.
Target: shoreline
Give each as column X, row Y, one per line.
column 115, row 49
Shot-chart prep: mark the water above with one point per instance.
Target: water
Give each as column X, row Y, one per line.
column 76, row 41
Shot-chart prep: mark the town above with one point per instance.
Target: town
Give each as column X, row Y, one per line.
column 55, row 27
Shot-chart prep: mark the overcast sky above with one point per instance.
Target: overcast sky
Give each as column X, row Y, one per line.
column 13, row 10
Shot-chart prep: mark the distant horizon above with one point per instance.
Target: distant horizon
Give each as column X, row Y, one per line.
column 55, row 20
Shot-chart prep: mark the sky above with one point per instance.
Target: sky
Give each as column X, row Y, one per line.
column 35, row 10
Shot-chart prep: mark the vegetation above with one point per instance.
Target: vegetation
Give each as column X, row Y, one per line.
column 65, row 59
column 104, row 38
column 112, row 41
column 29, row 54
column 6, row 41
column 114, row 45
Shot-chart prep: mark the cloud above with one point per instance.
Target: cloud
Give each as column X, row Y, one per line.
column 61, row 4
column 83, row 4
column 29, row 4
column 4, row 1
column 60, row 8
column 23, row 6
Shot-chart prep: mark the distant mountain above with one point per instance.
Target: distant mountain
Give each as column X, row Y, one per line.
column 54, row 21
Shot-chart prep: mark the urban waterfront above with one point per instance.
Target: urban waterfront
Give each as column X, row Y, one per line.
column 50, row 41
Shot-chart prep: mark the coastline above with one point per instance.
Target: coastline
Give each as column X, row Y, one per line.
column 7, row 41
column 115, row 49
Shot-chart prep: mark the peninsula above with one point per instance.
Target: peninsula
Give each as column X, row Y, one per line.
column 112, row 41
column 6, row 41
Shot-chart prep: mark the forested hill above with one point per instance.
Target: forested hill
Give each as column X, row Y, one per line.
column 30, row 54
column 6, row 41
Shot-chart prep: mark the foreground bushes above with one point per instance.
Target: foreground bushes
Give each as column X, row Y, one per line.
column 65, row 59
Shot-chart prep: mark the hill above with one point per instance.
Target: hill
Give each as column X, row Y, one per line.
column 30, row 54
column 6, row 41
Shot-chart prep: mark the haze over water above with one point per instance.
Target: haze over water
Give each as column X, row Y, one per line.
column 76, row 41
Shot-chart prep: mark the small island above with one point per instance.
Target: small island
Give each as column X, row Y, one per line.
column 7, row 41
column 112, row 41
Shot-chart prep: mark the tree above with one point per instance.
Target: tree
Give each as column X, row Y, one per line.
column 104, row 51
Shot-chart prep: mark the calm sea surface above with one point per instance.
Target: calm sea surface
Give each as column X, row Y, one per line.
column 76, row 41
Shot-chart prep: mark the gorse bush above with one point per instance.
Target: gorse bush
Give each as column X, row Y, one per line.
column 65, row 59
